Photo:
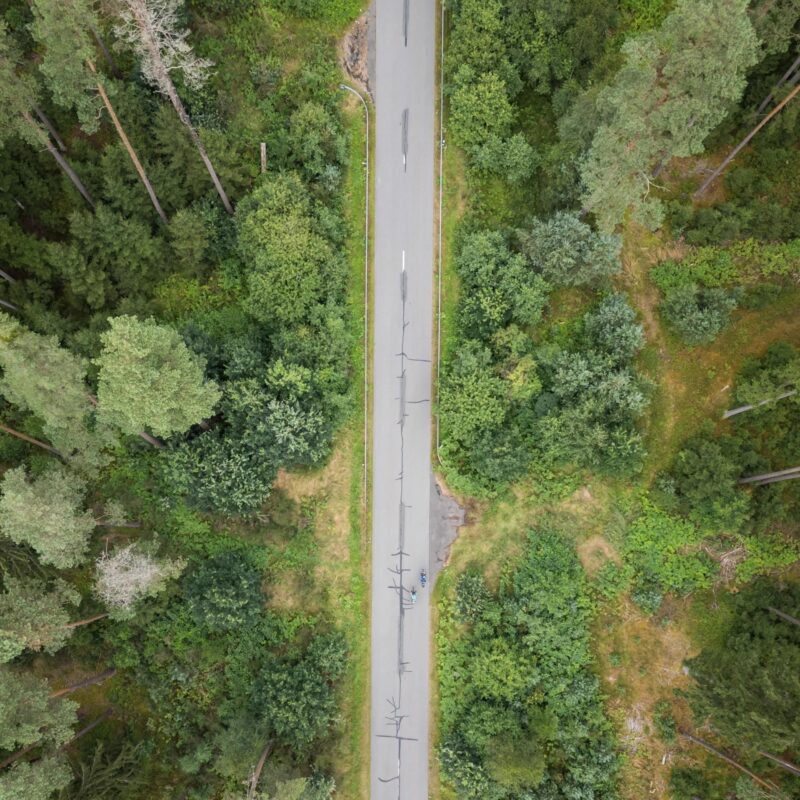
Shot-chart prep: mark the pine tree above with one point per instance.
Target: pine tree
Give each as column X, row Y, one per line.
column 676, row 85
column 151, row 28
column 46, row 379
column 18, row 97
column 33, row 617
column 47, row 513
column 748, row 685
column 68, row 64
column 28, row 714
column 149, row 379
column 35, row 780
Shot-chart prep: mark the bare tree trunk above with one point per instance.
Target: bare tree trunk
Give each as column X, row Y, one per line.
column 50, row 127
column 739, row 147
column 766, row 784
column 184, row 117
column 78, row 623
column 773, row 477
column 90, row 727
column 128, row 146
column 253, row 785
column 732, row 412
column 152, row 440
column 5, row 276
column 30, row 440
column 118, row 524
column 11, row 306
column 787, row 765
column 162, row 77
column 106, row 52
column 91, row 681
column 784, row 78
column 14, row 756
column 784, row 616
column 45, row 140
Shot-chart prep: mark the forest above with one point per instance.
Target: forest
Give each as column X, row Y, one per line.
column 175, row 334
column 618, row 400
column 183, row 557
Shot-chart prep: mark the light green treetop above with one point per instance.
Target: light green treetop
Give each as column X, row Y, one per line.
column 28, row 715
column 48, row 380
column 35, row 780
column 17, row 94
column 676, row 85
column 33, row 617
column 47, row 514
column 150, row 380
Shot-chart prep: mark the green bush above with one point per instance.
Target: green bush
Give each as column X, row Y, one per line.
column 699, row 315
column 521, row 712
column 664, row 722
column 666, row 553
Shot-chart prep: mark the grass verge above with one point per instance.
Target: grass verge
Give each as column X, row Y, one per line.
column 333, row 581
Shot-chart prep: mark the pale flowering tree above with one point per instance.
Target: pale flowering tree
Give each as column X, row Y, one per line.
column 130, row 574
column 151, row 28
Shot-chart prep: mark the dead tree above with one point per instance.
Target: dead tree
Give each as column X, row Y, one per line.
column 773, row 477
column 732, row 412
column 728, row 760
column 128, row 146
column 90, row 681
column 151, row 27
column 739, row 147
column 30, row 440
column 791, row 76
column 787, row 765
column 784, row 616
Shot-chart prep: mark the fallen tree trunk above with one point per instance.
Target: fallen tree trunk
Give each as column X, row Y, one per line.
column 719, row 754
column 91, row 681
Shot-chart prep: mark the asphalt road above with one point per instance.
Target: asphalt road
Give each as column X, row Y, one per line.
column 403, row 309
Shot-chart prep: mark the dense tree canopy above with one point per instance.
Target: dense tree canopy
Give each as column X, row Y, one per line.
column 747, row 685
column 34, row 617
column 528, row 719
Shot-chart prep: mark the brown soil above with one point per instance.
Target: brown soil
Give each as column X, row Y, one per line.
column 595, row 552
column 642, row 663
column 353, row 52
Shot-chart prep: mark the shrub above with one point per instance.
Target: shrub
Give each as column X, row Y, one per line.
column 699, row 315
column 225, row 592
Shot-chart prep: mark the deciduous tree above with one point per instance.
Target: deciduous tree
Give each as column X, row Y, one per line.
column 567, row 252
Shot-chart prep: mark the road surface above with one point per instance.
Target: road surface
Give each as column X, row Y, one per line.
column 404, row 183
